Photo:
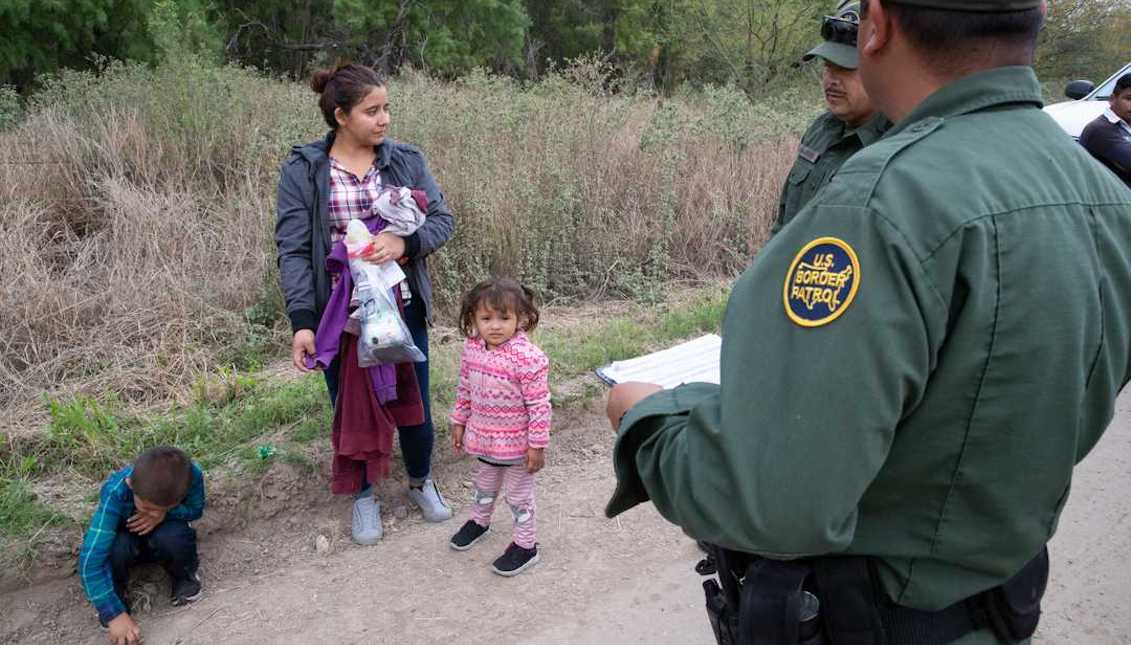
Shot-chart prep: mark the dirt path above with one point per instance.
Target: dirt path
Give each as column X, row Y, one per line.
column 601, row 581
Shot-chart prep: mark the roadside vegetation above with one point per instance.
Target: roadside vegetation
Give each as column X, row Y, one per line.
column 242, row 423
column 137, row 208
column 140, row 303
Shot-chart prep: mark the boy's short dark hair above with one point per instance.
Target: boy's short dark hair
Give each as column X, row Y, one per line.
column 161, row 476
column 1122, row 84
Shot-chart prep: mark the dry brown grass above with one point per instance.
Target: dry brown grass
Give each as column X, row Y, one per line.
column 136, row 209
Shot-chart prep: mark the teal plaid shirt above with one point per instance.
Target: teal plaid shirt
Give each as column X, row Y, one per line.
column 115, row 506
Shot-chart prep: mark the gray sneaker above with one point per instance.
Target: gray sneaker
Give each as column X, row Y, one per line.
column 367, row 521
column 431, row 503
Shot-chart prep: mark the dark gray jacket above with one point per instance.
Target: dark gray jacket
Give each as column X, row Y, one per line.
column 302, row 230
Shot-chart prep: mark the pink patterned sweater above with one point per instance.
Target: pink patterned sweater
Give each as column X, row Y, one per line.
column 503, row 398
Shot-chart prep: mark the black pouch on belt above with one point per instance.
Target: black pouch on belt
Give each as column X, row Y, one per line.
column 771, row 602
column 849, row 601
column 1013, row 609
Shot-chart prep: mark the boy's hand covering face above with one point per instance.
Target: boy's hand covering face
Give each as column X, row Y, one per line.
column 143, row 522
column 147, row 517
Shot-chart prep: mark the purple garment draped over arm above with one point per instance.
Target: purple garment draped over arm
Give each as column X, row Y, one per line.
column 328, row 337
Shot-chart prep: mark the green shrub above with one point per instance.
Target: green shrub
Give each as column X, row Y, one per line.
column 10, row 110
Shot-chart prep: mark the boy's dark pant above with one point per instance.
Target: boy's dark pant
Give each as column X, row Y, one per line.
column 172, row 545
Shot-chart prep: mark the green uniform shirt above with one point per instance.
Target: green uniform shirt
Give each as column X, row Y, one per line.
column 827, row 144
column 911, row 369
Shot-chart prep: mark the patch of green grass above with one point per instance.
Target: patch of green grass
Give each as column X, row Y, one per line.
column 585, row 348
column 232, row 415
column 96, row 437
column 313, row 427
column 699, row 316
column 21, row 512
column 226, row 386
column 257, row 459
column 231, row 410
column 18, row 466
column 254, row 460
column 300, row 460
column 443, row 376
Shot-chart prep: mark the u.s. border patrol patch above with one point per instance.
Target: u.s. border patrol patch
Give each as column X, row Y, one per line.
column 821, row 283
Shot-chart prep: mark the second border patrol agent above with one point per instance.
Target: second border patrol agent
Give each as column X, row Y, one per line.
column 910, row 369
column 849, row 124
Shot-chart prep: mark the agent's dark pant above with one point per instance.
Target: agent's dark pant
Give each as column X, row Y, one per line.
column 172, row 545
column 416, row 441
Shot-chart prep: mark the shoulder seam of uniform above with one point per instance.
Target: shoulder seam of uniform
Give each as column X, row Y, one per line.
column 918, row 136
column 964, row 223
column 910, row 247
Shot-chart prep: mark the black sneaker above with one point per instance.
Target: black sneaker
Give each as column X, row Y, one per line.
column 515, row 560
column 186, row 590
column 468, row 535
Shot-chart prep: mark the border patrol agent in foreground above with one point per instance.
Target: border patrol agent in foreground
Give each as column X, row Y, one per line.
column 850, row 123
column 910, row 369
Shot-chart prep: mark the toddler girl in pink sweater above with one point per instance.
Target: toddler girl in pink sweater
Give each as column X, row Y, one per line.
column 502, row 414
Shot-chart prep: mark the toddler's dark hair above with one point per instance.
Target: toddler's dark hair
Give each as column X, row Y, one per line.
column 343, row 87
column 161, row 476
column 500, row 294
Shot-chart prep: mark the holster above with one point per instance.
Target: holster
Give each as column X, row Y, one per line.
column 756, row 602
column 723, row 595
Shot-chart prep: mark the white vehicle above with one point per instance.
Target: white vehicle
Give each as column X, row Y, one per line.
column 1089, row 102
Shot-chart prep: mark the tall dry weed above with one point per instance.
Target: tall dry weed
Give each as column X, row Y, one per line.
column 137, row 212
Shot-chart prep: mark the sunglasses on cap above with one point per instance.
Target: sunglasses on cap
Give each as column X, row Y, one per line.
column 839, row 30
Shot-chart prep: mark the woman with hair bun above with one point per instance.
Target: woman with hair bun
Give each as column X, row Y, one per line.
column 323, row 185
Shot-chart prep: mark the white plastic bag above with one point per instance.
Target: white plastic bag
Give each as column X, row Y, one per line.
column 383, row 338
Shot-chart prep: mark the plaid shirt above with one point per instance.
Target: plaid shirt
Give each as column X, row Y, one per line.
column 115, row 506
column 353, row 198
column 350, row 197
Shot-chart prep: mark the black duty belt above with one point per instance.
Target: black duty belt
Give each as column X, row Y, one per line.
column 758, row 601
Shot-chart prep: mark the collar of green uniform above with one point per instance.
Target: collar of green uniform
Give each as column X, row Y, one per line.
column 869, row 132
column 999, row 86
column 872, row 129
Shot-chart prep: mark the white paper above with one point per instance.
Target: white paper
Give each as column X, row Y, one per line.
column 696, row 361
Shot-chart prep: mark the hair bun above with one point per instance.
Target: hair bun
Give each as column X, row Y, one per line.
column 320, row 79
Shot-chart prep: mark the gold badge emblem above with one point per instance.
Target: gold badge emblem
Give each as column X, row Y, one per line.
column 821, row 283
